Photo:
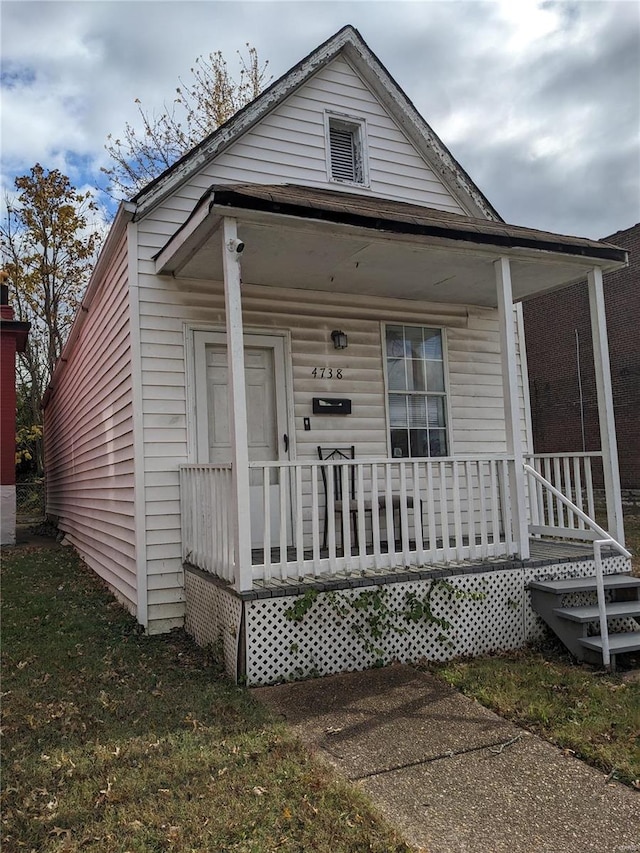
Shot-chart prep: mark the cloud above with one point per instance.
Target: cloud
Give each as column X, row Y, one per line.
column 539, row 101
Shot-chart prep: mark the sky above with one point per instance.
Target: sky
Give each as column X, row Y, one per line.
column 538, row 101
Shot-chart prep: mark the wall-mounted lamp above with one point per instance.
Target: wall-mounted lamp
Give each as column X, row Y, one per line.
column 339, row 339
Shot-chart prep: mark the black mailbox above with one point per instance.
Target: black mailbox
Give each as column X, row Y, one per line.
column 331, row 406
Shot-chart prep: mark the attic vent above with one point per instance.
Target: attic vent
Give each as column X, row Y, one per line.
column 346, row 151
column 343, row 154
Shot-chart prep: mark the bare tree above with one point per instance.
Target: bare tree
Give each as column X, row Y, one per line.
column 210, row 98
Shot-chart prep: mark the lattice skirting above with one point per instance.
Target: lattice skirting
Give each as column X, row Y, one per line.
column 357, row 628
column 213, row 617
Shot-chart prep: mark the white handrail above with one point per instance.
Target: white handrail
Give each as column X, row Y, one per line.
column 593, row 454
column 587, row 520
column 598, row 544
column 376, row 460
column 602, row 604
column 571, row 473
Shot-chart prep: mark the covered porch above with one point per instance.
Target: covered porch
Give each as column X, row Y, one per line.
column 252, row 523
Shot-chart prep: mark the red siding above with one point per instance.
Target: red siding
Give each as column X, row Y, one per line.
column 13, row 338
column 7, row 408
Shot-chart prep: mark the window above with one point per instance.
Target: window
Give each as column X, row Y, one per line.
column 346, row 160
column 416, row 391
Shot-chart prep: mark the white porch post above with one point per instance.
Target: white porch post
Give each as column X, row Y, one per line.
column 241, row 514
column 608, row 443
column 506, row 323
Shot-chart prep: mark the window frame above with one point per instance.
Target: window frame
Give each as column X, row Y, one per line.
column 446, row 394
column 358, row 126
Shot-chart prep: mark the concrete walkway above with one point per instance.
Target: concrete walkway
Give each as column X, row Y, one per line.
column 453, row 776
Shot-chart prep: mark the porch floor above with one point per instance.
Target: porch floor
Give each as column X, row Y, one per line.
column 542, row 552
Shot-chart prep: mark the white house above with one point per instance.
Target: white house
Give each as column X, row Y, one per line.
column 298, row 366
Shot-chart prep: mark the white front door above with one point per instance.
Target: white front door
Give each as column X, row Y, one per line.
column 266, row 415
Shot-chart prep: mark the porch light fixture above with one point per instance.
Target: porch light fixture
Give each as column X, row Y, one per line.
column 339, row 339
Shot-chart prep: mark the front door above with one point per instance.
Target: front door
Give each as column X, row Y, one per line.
column 266, row 415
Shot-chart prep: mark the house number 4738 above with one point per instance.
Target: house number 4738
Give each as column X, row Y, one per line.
column 327, row 372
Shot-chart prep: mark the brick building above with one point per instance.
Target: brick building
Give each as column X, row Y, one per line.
column 564, row 407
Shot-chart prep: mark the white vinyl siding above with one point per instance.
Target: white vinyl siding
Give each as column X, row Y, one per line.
column 89, row 419
column 474, row 386
column 289, row 146
column 89, row 439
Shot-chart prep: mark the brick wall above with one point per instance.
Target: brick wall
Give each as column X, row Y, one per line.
column 557, row 327
column 7, row 408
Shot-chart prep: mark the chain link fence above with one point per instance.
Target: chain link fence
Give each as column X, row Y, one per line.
column 30, row 502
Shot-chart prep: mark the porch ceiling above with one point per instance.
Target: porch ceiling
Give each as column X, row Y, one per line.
column 339, row 242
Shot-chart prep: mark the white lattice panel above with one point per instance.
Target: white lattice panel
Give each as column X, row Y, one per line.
column 326, row 642
column 212, row 615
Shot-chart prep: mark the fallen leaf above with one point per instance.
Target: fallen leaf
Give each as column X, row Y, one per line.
column 58, row 830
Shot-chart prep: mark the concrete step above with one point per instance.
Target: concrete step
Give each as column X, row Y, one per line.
column 590, row 612
column 569, row 585
column 618, row 643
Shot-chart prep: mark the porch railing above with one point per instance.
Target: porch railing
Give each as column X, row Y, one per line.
column 395, row 513
column 205, row 504
column 571, row 475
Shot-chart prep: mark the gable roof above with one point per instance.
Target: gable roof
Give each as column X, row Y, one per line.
column 349, row 42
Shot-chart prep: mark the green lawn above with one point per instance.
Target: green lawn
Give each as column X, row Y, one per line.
column 591, row 713
column 594, row 715
column 118, row 742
